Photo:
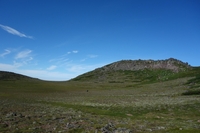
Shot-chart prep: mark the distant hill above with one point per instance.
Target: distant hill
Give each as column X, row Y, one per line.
column 4, row 75
column 129, row 71
column 138, row 71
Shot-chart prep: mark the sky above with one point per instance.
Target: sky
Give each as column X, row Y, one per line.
column 59, row 40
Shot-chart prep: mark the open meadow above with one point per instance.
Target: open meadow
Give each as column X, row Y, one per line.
column 42, row 106
column 99, row 66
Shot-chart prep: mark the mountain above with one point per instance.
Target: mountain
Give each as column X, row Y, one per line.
column 138, row 71
column 4, row 75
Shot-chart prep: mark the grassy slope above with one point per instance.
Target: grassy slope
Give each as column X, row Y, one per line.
column 10, row 76
column 144, row 105
column 135, row 77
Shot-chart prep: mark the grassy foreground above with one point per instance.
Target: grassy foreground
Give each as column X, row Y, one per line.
column 39, row 106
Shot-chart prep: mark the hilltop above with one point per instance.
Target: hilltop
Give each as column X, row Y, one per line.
column 134, row 65
column 138, row 71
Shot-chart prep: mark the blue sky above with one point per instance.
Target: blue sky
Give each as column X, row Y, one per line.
column 59, row 40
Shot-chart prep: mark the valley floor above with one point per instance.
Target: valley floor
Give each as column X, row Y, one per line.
column 95, row 107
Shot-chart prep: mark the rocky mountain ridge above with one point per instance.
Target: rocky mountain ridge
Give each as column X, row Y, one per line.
column 137, row 71
column 134, row 65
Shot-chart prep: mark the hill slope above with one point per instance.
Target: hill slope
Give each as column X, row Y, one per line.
column 138, row 71
column 14, row 76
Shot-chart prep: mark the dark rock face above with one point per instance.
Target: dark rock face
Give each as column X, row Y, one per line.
column 134, row 65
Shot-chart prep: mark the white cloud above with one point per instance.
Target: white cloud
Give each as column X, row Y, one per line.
column 81, row 68
column 82, row 60
column 89, row 56
column 7, row 67
column 5, row 53
column 76, row 68
column 17, row 64
column 23, row 58
column 51, row 67
column 92, row 56
column 75, row 51
column 14, row 32
column 23, row 54
column 59, row 61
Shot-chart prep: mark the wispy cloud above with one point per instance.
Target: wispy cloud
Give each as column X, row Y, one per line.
column 89, row 56
column 14, row 32
column 63, row 59
column 17, row 64
column 23, row 54
column 51, row 67
column 92, row 56
column 75, row 68
column 78, row 68
column 6, row 52
column 75, row 51
column 59, row 61
column 23, row 58
column 7, row 67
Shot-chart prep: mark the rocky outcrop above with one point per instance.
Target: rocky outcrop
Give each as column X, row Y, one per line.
column 134, row 65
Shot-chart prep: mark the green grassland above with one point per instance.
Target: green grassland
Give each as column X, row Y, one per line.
column 142, row 101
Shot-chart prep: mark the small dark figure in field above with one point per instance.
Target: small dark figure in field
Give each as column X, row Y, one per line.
column 87, row 91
